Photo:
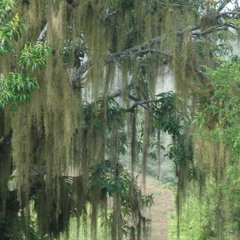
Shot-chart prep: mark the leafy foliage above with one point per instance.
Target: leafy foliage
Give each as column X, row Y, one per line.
column 117, row 180
column 221, row 109
column 17, row 86
column 165, row 113
column 33, row 57
column 218, row 122
column 125, row 4
column 111, row 110
column 197, row 220
column 11, row 28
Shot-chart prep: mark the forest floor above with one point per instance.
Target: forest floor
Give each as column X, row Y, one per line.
column 160, row 211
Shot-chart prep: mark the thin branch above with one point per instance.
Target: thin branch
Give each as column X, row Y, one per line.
column 132, row 108
column 236, row 3
column 111, row 14
column 134, row 52
column 231, row 25
column 133, row 98
column 232, row 14
column 119, row 92
column 210, row 30
column 223, row 5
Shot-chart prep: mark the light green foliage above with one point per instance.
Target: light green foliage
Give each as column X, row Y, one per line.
column 33, row 57
column 232, row 187
column 217, row 122
column 220, row 110
column 197, row 220
column 17, row 86
column 11, row 26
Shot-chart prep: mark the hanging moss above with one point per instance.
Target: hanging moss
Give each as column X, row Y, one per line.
column 64, row 131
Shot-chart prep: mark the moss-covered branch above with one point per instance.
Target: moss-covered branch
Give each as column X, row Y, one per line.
column 211, row 22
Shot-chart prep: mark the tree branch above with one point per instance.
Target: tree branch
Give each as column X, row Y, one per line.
column 232, row 14
column 78, row 74
column 143, row 102
column 42, row 35
column 119, row 92
column 133, row 52
column 213, row 29
column 148, row 47
column 223, row 5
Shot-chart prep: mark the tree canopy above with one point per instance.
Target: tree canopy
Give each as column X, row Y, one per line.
column 79, row 98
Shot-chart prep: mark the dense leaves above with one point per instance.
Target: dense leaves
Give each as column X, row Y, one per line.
column 17, row 86
column 33, row 57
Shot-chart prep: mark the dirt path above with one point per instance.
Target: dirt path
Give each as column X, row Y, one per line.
column 160, row 211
